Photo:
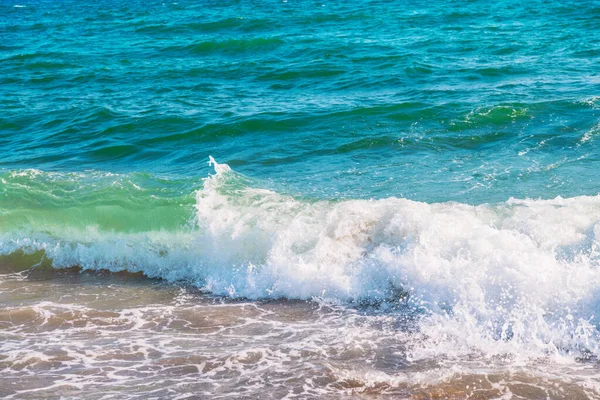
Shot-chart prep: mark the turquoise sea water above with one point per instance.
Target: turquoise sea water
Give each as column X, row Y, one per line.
column 462, row 101
column 439, row 155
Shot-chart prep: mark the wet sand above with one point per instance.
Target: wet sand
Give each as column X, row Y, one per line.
column 94, row 335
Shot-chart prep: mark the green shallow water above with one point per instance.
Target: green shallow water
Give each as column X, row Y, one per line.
column 33, row 200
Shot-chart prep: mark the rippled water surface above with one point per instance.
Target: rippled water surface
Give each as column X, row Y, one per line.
column 433, row 101
column 404, row 202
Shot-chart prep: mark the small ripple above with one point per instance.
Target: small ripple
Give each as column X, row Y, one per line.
column 227, row 46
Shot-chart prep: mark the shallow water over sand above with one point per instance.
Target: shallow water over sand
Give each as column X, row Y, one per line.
column 103, row 336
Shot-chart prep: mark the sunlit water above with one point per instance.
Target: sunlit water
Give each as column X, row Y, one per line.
column 404, row 202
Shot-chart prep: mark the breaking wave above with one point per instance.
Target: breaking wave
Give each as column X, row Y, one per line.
column 515, row 278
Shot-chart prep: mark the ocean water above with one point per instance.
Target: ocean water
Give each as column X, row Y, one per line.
column 299, row 199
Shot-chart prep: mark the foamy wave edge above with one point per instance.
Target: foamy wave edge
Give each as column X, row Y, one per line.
column 522, row 273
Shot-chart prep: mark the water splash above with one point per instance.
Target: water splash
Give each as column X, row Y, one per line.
column 518, row 278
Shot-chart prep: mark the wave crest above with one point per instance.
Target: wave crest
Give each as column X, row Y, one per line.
column 522, row 273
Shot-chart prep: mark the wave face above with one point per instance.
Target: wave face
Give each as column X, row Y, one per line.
column 519, row 277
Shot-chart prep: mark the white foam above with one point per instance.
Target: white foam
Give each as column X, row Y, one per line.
column 517, row 277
